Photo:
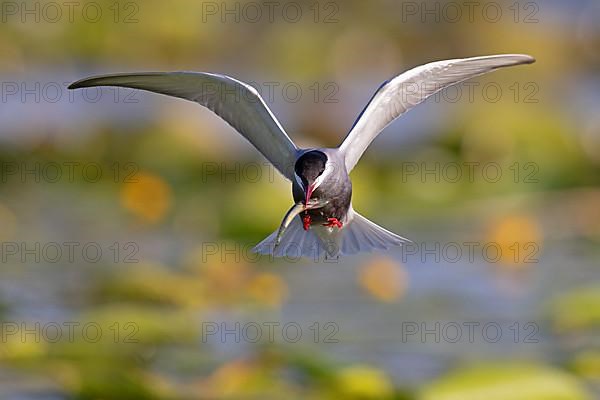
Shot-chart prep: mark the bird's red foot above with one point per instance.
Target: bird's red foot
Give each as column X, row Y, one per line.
column 306, row 221
column 333, row 222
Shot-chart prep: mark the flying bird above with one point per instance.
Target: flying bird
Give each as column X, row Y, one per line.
column 322, row 221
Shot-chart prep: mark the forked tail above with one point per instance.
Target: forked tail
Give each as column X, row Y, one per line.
column 357, row 235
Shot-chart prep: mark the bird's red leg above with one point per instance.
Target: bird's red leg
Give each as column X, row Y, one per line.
column 306, row 221
column 333, row 222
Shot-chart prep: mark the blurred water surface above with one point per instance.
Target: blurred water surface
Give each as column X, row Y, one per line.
column 140, row 244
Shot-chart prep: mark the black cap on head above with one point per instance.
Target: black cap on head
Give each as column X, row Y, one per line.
column 310, row 165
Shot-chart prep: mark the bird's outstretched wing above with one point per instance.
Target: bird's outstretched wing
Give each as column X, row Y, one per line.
column 400, row 94
column 238, row 103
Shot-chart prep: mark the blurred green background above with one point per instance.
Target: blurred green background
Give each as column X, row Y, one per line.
column 160, row 202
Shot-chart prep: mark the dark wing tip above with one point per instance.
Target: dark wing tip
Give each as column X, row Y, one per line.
column 82, row 83
column 528, row 59
column 113, row 79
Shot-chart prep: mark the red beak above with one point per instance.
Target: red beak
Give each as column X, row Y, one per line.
column 309, row 191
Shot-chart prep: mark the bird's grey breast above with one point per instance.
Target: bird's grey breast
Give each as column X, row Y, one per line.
column 336, row 188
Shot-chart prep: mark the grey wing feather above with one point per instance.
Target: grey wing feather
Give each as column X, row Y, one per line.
column 238, row 103
column 405, row 91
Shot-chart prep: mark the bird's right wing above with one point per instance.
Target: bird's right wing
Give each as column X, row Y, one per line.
column 405, row 91
column 238, row 103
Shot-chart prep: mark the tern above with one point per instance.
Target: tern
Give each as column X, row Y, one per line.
column 322, row 220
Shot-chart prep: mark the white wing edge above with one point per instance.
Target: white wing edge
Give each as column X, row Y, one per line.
column 391, row 100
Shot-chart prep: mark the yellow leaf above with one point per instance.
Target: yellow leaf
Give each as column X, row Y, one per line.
column 363, row 381
column 148, row 198
column 384, row 279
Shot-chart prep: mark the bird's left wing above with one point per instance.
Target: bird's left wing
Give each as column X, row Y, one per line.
column 238, row 103
column 397, row 96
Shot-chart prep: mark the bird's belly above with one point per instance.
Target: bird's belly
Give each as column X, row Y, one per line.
column 331, row 210
column 337, row 207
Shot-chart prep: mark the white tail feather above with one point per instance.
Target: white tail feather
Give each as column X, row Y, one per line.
column 357, row 235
